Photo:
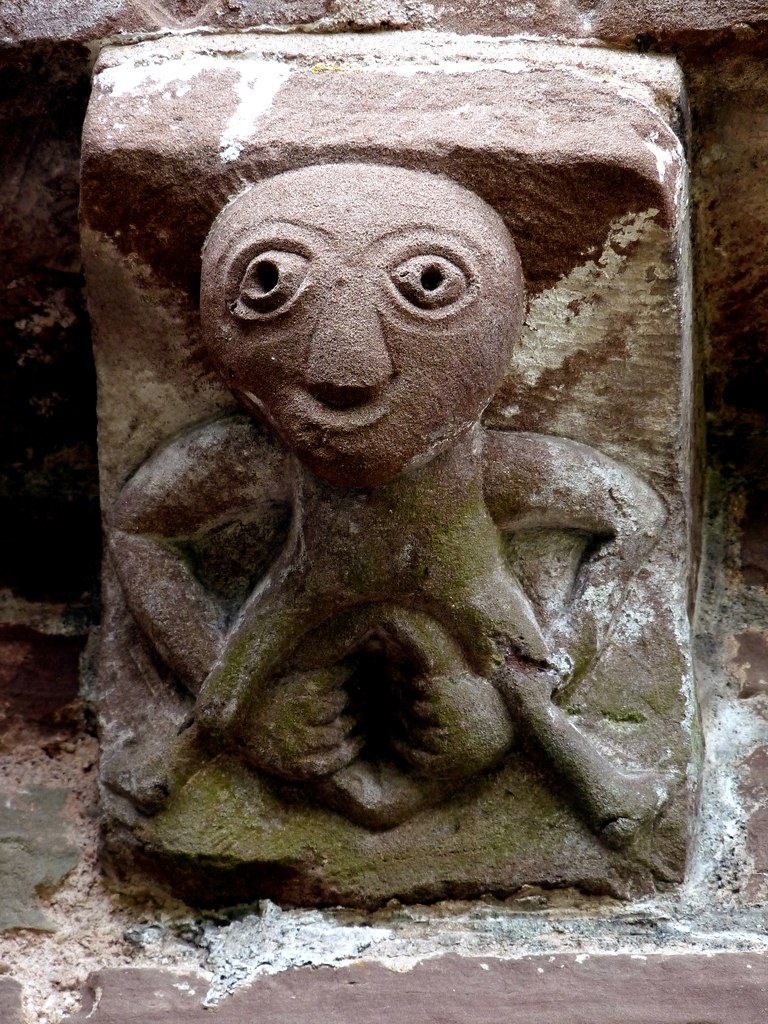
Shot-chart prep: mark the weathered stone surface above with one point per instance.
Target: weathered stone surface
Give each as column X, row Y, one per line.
column 674, row 22
column 754, row 531
column 214, row 131
column 750, row 663
column 82, row 20
column 753, row 791
column 249, row 13
column 653, row 22
column 537, row 990
column 728, row 91
column 605, row 332
column 78, row 20
column 731, row 113
column 35, row 854
column 755, row 787
column 10, row 1001
column 39, row 678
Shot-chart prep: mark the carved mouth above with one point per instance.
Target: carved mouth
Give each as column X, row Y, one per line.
column 342, row 418
column 304, row 407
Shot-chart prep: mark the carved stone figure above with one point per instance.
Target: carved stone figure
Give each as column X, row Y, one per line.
column 328, row 572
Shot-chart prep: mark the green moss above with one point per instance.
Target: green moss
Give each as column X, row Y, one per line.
column 498, row 831
column 492, row 834
column 625, row 715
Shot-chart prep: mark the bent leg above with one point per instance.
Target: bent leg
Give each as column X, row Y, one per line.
column 615, row 803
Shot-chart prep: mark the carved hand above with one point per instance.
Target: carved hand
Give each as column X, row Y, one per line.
column 299, row 729
column 451, row 726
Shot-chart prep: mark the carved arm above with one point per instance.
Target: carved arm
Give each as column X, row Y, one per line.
column 220, row 472
column 538, row 482
column 533, row 481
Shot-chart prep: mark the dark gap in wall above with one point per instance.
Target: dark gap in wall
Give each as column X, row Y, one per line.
column 49, row 543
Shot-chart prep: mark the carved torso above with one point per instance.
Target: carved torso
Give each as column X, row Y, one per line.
column 384, row 650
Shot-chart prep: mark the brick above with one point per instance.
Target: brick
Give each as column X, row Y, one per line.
column 39, row 678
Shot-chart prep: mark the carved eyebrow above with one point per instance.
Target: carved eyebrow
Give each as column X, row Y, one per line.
column 420, row 239
column 276, row 231
column 278, row 227
column 430, row 233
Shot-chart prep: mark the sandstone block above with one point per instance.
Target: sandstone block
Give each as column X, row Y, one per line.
column 10, row 1001
column 653, row 22
column 35, row 854
column 451, row 990
column 397, row 477
column 83, row 20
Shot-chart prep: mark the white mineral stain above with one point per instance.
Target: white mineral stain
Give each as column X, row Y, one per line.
column 258, row 84
column 140, row 77
column 540, row 348
column 664, row 157
column 733, row 732
column 275, row 940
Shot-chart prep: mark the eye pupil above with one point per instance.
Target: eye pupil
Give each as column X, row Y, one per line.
column 267, row 274
column 271, row 282
column 431, row 278
column 430, row 281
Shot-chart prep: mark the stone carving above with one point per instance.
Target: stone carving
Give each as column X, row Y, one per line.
column 329, row 572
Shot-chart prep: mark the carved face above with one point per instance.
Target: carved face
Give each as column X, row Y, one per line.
column 366, row 313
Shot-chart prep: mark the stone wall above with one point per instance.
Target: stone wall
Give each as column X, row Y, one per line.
column 86, row 946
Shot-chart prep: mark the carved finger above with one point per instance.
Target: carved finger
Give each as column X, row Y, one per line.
column 432, row 739
column 329, row 707
column 426, row 711
column 346, row 724
column 328, row 680
column 331, row 761
column 327, row 737
column 405, row 724
column 415, row 686
column 421, row 761
column 405, row 749
column 427, row 731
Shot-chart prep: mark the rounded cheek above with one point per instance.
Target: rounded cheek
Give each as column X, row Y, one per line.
column 251, row 364
column 451, row 370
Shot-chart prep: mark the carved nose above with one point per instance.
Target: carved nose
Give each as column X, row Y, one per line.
column 348, row 362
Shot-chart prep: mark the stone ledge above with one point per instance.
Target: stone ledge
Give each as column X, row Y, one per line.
column 664, row 23
column 720, row 989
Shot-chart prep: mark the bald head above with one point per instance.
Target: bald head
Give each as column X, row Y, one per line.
column 364, row 312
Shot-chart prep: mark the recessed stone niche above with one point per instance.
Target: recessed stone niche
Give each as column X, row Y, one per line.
column 396, row 431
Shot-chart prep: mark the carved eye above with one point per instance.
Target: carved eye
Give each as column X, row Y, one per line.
column 430, row 282
column 270, row 281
